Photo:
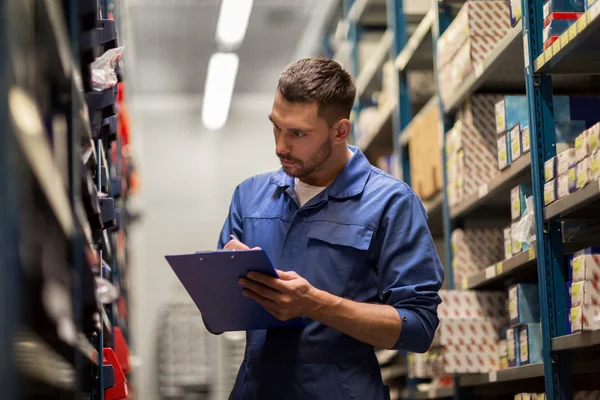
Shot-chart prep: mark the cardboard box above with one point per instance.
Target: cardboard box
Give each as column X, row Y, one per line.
column 512, row 347
column 503, row 354
column 518, row 194
column 572, row 178
column 515, row 143
column 476, row 249
column 525, row 140
column 510, row 112
column 507, row 243
column 584, row 318
column 425, row 156
column 565, row 160
column 470, row 359
column 562, row 186
column 584, row 293
column 593, row 138
column 468, row 331
column 583, row 173
column 550, row 192
column 581, row 146
column 585, row 265
column 550, row 169
column 504, row 159
column 524, row 304
column 551, row 6
column 594, row 164
column 515, row 12
column 467, row 304
column 530, row 344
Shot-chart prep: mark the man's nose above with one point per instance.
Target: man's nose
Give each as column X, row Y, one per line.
column 281, row 145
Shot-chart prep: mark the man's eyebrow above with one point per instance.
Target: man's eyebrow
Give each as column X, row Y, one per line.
column 304, row 130
column 271, row 119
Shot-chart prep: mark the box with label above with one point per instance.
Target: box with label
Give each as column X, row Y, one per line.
column 581, row 146
column 550, row 169
column 551, row 6
column 585, row 265
column 593, row 138
column 510, row 112
column 585, row 318
column 518, row 246
column 525, row 140
column 507, row 243
column 468, row 331
column 562, row 186
column 467, row 304
column 524, row 303
column 503, row 354
column 512, row 347
column 584, row 293
column 518, row 194
column 572, row 178
column 530, row 344
column 565, row 160
column 515, row 12
column 594, row 164
column 475, row 249
column 550, row 192
column 567, row 131
column 503, row 152
column 583, row 173
column 515, row 143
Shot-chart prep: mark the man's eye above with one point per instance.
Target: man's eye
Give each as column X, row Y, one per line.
column 298, row 134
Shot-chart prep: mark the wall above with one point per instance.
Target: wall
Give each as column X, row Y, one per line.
column 188, row 177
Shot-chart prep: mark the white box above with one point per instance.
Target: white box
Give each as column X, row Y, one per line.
column 594, row 164
column 507, row 243
column 581, row 146
column 550, row 192
column 565, row 160
column 585, row 318
column 562, row 186
column 502, row 152
column 583, row 173
column 525, row 140
column 471, row 359
column 593, row 138
column 550, row 169
column 585, row 293
column 585, row 267
column 467, row 304
column 515, row 143
column 482, row 331
column 511, row 345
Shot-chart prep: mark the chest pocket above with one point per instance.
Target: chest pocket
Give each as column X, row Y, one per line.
column 338, row 255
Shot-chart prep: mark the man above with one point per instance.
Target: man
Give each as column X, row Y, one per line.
column 351, row 244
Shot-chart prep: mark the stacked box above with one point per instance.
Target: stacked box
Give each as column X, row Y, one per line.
column 593, row 138
column 584, row 290
column 530, row 344
column 470, row 358
column 550, row 192
column 550, row 169
column 508, row 253
column 470, row 38
column 518, row 246
column 475, row 249
column 584, row 293
column 585, row 265
column 512, row 352
column 583, row 172
column 502, row 354
column 503, row 147
column 551, row 6
column 585, row 318
column 572, row 178
column 510, row 112
column 467, row 304
column 524, row 304
column 581, row 146
column 515, row 12
column 516, row 147
column 565, row 160
column 562, row 186
column 525, row 140
column 518, row 194
column 594, row 164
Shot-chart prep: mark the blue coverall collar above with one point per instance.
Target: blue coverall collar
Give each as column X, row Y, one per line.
column 350, row 182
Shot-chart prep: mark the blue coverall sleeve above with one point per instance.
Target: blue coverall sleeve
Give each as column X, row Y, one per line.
column 410, row 272
column 234, row 222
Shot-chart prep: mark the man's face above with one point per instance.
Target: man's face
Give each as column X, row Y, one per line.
column 304, row 141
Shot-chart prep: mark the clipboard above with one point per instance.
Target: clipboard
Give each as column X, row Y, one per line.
column 211, row 280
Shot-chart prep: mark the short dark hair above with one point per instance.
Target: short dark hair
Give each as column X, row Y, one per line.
column 322, row 80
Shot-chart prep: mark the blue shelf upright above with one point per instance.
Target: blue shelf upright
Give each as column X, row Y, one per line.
column 353, row 37
column 552, row 272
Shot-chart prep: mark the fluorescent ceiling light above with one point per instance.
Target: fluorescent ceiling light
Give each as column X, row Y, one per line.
column 233, row 22
column 220, row 80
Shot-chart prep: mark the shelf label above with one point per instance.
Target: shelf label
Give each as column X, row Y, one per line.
column 556, row 47
column 582, row 22
column 531, row 254
column 539, row 62
column 499, row 268
column 564, row 39
column 547, row 54
column 493, row 377
column 526, row 49
column 483, row 190
column 572, row 31
column 490, row 272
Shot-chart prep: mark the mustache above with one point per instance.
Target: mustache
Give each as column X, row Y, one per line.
column 287, row 157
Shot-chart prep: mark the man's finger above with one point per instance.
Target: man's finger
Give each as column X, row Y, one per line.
column 236, row 245
column 260, row 289
column 287, row 275
column 267, row 280
column 266, row 303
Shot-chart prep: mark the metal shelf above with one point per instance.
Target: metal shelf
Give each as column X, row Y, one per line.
column 579, row 340
column 579, row 203
column 496, row 194
column 494, row 276
column 506, row 375
column 381, row 129
column 418, row 52
column 375, row 63
column 433, row 208
column 577, row 51
column 441, row 393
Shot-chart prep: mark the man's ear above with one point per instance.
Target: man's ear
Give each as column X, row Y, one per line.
column 342, row 130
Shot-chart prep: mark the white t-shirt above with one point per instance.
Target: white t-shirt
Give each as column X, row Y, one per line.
column 306, row 192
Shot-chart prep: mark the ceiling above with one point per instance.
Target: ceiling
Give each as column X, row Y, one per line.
column 172, row 41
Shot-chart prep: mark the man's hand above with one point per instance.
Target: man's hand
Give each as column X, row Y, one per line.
column 286, row 298
column 235, row 244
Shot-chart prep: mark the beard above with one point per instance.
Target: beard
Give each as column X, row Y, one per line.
column 303, row 169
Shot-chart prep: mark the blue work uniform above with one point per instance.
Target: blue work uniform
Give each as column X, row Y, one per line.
column 364, row 238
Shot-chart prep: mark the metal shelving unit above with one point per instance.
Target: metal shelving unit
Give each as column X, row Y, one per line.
column 517, row 65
